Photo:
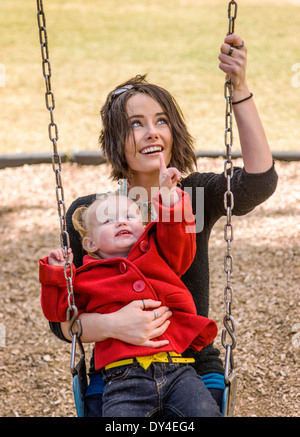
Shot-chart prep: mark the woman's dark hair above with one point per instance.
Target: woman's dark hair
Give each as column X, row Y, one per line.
column 116, row 129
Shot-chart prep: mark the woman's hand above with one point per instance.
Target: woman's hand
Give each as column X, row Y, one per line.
column 141, row 321
column 233, row 59
column 168, row 177
column 138, row 323
column 254, row 144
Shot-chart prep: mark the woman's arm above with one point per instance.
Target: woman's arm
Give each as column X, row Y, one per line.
column 256, row 153
column 140, row 331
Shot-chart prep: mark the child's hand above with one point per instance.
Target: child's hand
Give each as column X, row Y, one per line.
column 57, row 257
column 168, row 177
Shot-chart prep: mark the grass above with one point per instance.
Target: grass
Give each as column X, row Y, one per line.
column 96, row 45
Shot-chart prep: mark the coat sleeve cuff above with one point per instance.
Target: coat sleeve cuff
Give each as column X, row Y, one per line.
column 53, row 275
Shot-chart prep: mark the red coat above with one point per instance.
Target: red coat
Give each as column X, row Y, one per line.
column 152, row 270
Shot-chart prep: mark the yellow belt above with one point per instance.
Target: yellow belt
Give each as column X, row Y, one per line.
column 161, row 357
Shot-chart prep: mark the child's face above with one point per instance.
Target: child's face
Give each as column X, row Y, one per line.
column 151, row 134
column 114, row 225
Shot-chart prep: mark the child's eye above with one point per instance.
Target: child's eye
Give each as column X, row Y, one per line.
column 133, row 217
column 107, row 220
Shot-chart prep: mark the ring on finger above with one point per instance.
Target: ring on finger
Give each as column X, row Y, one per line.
column 239, row 47
column 144, row 306
column 155, row 315
column 230, row 51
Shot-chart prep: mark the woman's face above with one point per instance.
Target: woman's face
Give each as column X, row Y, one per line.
column 150, row 134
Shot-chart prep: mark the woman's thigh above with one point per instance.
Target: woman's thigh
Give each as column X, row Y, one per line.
column 93, row 405
column 187, row 396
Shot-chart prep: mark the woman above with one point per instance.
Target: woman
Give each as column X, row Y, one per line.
column 141, row 121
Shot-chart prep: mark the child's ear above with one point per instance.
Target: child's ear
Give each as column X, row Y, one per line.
column 89, row 245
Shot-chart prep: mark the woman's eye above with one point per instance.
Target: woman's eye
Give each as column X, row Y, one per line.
column 162, row 121
column 136, row 123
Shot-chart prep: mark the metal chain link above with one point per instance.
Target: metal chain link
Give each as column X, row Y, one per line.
column 228, row 321
column 72, row 311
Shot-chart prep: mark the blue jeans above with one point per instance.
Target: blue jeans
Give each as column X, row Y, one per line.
column 163, row 390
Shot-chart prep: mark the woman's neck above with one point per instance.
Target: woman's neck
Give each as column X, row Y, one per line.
column 148, row 182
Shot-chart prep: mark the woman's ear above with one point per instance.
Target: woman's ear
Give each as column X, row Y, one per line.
column 89, row 245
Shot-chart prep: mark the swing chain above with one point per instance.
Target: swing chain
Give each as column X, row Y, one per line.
column 228, row 321
column 232, row 13
column 72, row 311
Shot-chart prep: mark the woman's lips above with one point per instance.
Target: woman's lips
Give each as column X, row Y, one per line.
column 151, row 149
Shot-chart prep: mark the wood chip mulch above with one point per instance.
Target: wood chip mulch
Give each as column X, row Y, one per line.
column 35, row 380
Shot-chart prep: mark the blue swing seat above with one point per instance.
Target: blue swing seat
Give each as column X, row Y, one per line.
column 210, row 380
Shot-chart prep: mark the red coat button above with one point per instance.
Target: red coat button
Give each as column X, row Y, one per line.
column 144, row 245
column 122, row 267
column 138, row 286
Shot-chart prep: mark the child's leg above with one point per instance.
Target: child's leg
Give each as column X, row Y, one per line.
column 187, row 396
column 129, row 392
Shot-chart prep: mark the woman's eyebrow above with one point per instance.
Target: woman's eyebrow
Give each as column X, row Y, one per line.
column 136, row 116
column 142, row 116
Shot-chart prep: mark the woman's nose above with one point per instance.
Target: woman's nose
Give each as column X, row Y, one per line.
column 152, row 132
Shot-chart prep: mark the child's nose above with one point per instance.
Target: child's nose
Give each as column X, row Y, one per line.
column 121, row 221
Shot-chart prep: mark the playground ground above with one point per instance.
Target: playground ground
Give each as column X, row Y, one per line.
column 34, row 365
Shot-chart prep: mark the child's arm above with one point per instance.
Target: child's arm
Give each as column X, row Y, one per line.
column 54, row 294
column 168, row 179
column 175, row 229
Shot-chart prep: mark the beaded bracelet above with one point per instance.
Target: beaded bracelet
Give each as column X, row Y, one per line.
column 240, row 101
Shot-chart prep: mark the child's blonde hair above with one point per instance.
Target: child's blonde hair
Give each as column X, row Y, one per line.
column 80, row 219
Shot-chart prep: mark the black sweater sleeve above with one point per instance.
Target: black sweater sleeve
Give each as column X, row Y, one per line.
column 249, row 190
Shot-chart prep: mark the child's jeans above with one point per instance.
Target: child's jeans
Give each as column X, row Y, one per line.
column 163, row 390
